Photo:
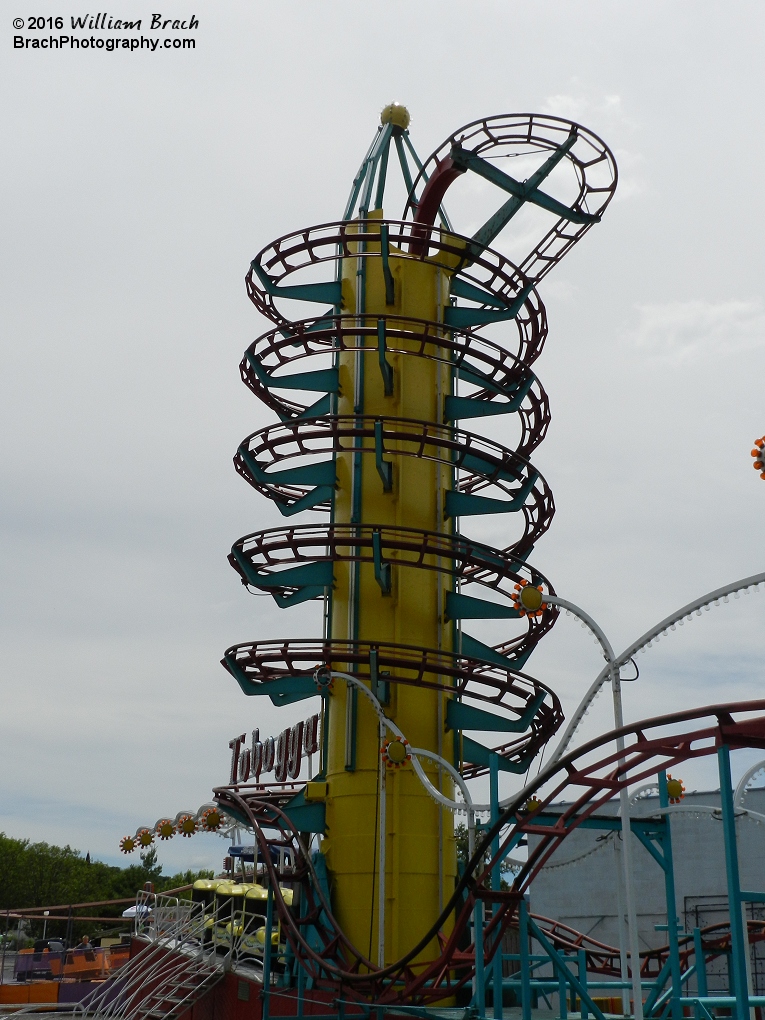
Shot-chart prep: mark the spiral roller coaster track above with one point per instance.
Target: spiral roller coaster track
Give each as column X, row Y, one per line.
column 331, row 446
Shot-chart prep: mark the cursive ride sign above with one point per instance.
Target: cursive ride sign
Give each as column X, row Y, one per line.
column 282, row 755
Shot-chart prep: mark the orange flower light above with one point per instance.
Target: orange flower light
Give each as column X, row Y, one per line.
column 675, row 789
column 186, row 825
column 144, row 837
column 527, row 599
column 127, row 844
column 165, row 828
column 211, row 820
column 759, row 456
column 396, row 752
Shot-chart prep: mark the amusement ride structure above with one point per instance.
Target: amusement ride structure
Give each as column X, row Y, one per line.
column 420, row 329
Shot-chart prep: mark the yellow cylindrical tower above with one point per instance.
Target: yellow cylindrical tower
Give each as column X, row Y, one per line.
column 419, row 850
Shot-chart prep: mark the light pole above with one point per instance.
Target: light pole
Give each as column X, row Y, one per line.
column 531, row 599
column 45, row 922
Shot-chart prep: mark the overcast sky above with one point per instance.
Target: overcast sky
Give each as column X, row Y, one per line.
column 136, row 187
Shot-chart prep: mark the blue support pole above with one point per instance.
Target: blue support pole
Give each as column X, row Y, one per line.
column 738, row 942
column 523, row 933
column 676, row 1009
column 495, row 882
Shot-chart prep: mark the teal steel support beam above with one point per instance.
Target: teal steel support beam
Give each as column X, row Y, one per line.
column 563, row 972
column 676, row 1010
column 701, row 963
column 525, row 191
column 739, row 943
column 496, row 223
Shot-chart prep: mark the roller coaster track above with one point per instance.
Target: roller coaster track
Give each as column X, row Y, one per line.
column 299, row 463
column 587, row 778
column 603, row 959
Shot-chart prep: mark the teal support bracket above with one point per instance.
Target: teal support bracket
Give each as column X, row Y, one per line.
column 322, row 406
column 382, row 569
column 512, row 472
column 465, row 504
column 469, row 407
column 284, row 691
column 527, row 191
column 304, row 594
column 478, row 650
column 465, row 607
column 325, row 380
column 385, row 369
column 326, row 293
column 390, row 293
column 739, row 943
column 464, row 288
column 477, row 754
column 323, row 473
column 306, row 816
column 384, row 467
column 318, row 495
column 310, row 579
column 460, row 716
column 379, row 685
column 462, row 318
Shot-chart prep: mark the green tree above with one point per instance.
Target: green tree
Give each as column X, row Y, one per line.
column 40, row 875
